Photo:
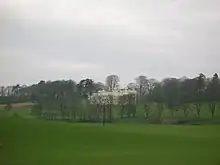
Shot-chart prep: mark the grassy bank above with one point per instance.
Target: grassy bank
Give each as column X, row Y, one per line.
column 34, row 142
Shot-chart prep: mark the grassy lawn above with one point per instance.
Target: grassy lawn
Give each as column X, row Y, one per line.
column 37, row 142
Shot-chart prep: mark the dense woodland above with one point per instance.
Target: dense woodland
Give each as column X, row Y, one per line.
column 69, row 98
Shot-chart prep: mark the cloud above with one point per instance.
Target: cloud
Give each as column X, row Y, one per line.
column 71, row 66
column 28, row 67
column 56, row 39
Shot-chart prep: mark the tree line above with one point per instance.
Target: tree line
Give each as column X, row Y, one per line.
column 173, row 93
column 181, row 94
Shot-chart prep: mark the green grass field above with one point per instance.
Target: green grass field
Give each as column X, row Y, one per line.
column 38, row 142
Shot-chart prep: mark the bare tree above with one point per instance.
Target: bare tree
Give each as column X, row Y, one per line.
column 142, row 83
column 112, row 81
column 3, row 91
column 199, row 94
column 213, row 93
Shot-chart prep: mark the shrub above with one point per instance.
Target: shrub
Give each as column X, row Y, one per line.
column 8, row 106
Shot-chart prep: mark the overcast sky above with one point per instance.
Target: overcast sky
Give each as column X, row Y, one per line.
column 74, row 39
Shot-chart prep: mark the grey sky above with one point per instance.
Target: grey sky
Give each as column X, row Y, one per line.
column 73, row 39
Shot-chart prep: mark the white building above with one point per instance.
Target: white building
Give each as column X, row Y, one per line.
column 6, row 91
column 103, row 97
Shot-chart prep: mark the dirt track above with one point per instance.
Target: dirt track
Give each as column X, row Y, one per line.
column 18, row 105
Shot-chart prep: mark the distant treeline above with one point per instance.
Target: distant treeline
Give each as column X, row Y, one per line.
column 171, row 92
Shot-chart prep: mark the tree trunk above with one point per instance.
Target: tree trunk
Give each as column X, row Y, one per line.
column 110, row 113
column 198, row 108
column 122, row 111
column 128, row 110
column 103, row 116
column 84, row 117
column 146, row 109
column 98, row 107
column 185, row 111
column 55, row 116
column 134, row 110
column 62, row 111
column 73, row 114
column 160, row 110
column 212, row 109
column 213, row 112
